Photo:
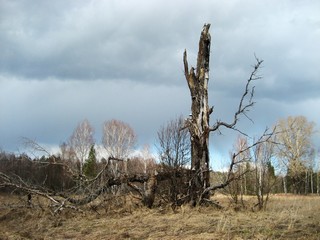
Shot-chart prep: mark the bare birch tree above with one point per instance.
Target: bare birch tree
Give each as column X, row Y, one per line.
column 118, row 140
column 241, row 168
column 81, row 141
column 264, row 172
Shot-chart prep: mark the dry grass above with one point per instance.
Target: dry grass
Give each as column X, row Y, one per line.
column 287, row 217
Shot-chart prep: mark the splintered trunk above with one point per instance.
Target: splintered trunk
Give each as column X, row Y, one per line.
column 150, row 191
column 198, row 123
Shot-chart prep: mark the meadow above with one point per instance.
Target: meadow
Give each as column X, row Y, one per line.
column 286, row 217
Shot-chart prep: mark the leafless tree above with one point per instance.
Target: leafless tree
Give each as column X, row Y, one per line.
column 173, row 144
column 241, row 168
column 231, row 174
column 81, row 141
column 295, row 146
column 118, row 139
column 141, row 165
column 199, row 124
column 264, row 171
column 144, row 162
column 67, row 153
column 309, row 171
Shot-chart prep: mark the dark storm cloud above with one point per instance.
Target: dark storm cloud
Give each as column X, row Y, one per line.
column 63, row 61
column 94, row 40
column 88, row 40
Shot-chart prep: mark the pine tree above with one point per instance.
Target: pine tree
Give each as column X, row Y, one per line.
column 89, row 167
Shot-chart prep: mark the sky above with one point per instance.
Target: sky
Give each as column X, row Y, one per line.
column 65, row 61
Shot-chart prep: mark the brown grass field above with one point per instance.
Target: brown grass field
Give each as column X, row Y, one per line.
column 286, row 217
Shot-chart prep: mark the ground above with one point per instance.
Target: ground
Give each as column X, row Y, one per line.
column 286, row 217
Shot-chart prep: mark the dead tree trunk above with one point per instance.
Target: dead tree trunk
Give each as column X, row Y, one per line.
column 150, row 191
column 198, row 124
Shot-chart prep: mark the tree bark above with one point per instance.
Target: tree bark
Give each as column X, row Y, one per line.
column 311, row 180
column 198, row 124
column 285, row 184
column 318, row 182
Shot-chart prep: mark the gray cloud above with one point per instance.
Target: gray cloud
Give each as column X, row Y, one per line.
column 91, row 42
column 61, row 62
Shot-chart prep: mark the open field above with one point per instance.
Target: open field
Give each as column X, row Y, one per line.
column 287, row 217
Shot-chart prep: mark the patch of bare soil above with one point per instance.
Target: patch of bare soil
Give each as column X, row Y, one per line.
column 295, row 217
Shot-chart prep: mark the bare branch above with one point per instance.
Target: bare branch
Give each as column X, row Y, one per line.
column 265, row 137
column 242, row 108
column 36, row 147
column 7, row 181
column 136, row 188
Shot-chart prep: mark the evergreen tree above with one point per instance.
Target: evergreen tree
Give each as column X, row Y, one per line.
column 90, row 165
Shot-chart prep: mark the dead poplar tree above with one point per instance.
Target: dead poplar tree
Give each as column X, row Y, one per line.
column 199, row 122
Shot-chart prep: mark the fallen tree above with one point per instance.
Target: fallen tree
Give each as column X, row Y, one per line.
column 88, row 194
column 147, row 191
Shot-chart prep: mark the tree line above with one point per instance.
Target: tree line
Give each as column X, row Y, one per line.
column 285, row 163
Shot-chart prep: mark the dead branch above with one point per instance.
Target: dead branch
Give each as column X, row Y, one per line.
column 36, row 147
column 19, row 184
column 266, row 136
column 136, row 188
column 243, row 107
